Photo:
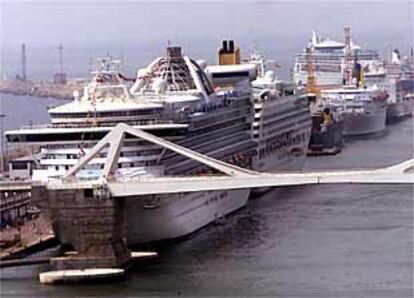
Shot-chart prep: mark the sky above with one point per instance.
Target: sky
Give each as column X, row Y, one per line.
column 139, row 30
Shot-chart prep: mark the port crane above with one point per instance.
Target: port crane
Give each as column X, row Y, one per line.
column 311, row 85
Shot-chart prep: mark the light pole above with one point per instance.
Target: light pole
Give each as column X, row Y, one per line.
column 2, row 152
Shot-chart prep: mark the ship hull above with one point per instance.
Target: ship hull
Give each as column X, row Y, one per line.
column 173, row 216
column 327, row 141
column 158, row 218
column 292, row 160
column 398, row 110
column 364, row 123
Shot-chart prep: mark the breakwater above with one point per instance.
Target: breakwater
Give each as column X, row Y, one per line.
column 40, row 88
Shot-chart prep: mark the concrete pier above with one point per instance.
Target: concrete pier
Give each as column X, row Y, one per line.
column 93, row 224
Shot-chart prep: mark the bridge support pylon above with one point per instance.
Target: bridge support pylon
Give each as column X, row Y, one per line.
column 94, row 224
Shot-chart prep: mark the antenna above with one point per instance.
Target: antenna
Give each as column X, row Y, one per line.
column 24, row 61
column 60, row 76
column 60, row 48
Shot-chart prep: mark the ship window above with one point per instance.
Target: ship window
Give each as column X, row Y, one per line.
column 19, row 165
column 88, row 193
column 57, row 168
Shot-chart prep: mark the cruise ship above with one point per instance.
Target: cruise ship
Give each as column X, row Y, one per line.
column 329, row 60
column 174, row 98
column 281, row 116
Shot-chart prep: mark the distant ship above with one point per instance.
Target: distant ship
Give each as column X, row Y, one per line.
column 174, row 97
column 329, row 59
column 400, row 86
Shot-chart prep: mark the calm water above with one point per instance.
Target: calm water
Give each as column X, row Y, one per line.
column 24, row 110
column 330, row 241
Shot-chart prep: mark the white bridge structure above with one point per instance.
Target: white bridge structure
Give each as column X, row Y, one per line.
column 234, row 177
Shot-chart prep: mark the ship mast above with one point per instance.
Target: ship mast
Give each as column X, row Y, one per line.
column 348, row 56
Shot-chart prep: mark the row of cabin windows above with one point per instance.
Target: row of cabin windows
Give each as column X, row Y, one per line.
column 284, row 112
column 122, row 154
column 106, row 114
column 120, row 165
column 234, row 115
column 99, row 123
column 319, row 67
column 127, row 143
column 288, row 125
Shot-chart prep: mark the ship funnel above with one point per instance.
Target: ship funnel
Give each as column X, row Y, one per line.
column 229, row 53
column 174, row 52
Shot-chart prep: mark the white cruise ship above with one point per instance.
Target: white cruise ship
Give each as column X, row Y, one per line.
column 172, row 98
column 329, row 60
column 281, row 116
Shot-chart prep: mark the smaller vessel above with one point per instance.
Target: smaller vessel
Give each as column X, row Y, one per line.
column 327, row 129
column 363, row 109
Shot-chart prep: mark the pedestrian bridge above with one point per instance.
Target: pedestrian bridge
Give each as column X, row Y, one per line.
column 233, row 177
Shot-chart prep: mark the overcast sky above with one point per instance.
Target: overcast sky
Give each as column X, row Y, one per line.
column 140, row 29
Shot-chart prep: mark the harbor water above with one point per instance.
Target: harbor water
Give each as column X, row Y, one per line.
column 313, row 241
column 24, row 110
